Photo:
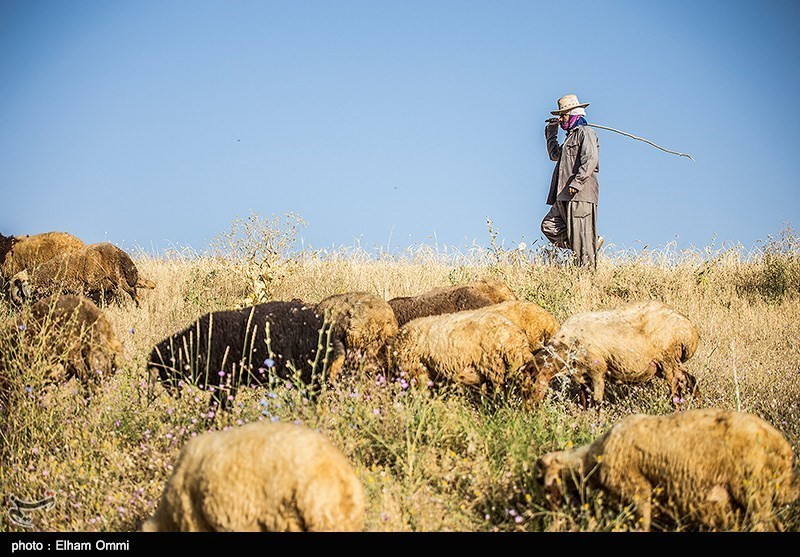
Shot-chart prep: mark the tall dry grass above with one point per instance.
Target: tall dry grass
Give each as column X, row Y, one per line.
column 447, row 462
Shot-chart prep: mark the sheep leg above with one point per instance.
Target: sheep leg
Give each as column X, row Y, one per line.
column 644, row 511
column 678, row 381
column 637, row 489
column 597, row 376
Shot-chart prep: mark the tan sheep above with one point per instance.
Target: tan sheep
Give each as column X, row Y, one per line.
column 449, row 299
column 538, row 323
column 98, row 271
column 365, row 323
column 468, row 347
column 631, row 344
column 709, row 467
column 262, row 476
column 75, row 335
column 18, row 253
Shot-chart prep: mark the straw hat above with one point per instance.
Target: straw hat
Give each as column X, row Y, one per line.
column 567, row 103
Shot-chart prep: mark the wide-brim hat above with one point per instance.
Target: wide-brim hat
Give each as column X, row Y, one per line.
column 567, row 103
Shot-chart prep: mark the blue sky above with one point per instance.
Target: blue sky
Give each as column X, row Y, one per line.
column 388, row 124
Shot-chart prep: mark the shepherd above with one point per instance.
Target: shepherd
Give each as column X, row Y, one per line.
column 571, row 222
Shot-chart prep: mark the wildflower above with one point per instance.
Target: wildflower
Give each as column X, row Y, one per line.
column 380, row 380
column 132, row 331
column 221, row 373
column 274, row 419
column 269, row 362
column 168, row 436
column 211, row 414
column 230, row 397
column 376, row 411
column 403, row 384
column 21, row 327
column 677, row 400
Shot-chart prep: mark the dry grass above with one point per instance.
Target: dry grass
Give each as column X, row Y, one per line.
column 447, row 462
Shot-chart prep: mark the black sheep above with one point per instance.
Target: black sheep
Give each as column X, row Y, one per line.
column 250, row 346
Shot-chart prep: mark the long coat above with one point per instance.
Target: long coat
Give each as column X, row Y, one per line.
column 577, row 164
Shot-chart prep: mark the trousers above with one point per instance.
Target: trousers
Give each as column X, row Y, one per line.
column 573, row 225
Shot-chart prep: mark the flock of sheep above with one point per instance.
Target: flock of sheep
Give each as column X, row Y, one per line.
column 708, row 464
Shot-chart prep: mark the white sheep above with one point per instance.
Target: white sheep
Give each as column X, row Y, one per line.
column 710, row 466
column 262, row 476
column 632, row 343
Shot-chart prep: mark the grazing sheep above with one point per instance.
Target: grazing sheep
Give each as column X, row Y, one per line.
column 711, row 467
column 18, row 253
column 261, row 477
column 538, row 323
column 249, row 346
column 365, row 323
column 74, row 334
column 450, row 299
column 469, row 347
column 98, row 271
column 631, row 344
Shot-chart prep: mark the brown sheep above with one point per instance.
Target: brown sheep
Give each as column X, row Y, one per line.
column 365, row 323
column 261, row 477
column 711, row 467
column 99, row 271
column 74, row 334
column 630, row 344
column 18, row 253
column 468, row 347
column 449, row 299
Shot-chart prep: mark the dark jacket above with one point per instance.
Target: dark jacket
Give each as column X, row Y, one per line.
column 578, row 162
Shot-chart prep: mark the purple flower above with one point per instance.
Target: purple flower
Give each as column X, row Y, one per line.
column 21, row 327
column 269, row 362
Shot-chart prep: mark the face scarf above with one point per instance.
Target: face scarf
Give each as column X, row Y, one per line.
column 573, row 121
